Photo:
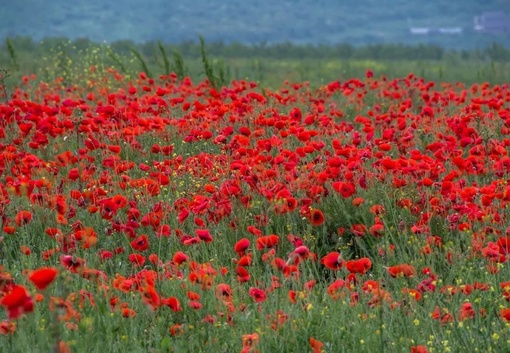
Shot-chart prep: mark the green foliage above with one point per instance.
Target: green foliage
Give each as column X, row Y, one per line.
column 4, row 74
column 208, row 66
column 12, row 54
column 142, row 62
column 165, row 58
column 179, row 68
column 116, row 59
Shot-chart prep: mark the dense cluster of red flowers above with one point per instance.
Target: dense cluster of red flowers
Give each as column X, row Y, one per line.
column 116, row 173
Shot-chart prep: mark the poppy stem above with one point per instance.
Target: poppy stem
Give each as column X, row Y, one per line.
column 3, row 76
column 381, row 327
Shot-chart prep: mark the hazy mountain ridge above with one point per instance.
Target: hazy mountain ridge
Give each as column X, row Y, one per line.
column 299, row 21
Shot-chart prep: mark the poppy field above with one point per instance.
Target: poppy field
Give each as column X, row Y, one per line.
column 165, row 215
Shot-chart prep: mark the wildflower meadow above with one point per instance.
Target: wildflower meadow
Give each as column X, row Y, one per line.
column 145, row 213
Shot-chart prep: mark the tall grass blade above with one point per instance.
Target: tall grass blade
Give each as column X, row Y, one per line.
column 179, row 68
column 165, row 58
column 145, row 68
column 116, row 59
column 12, row 54
column 208, row 68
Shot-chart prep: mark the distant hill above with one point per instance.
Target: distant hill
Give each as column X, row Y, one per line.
column 446, row 23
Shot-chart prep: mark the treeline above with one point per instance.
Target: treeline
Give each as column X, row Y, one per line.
column 191, row 49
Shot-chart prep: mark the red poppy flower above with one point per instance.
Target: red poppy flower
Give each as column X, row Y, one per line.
column 292, row 296
column 189, row 240
column 9, row 229
column 316, row 217
column 504, row 245
column 114, row 148
column 258, row 295
column 505, row 286
column 290, row 270
column 346, row 189
column 358, row 201
column 254, row 230
column 204, row 235
column 7, row 327
column 141, row 243
column 401, row 270
column 176, row 330
column 108, row 208
column 413, row 293
column 290, row 204
column 241, row 246
column 199, row 221
column 379, row 295
column 316, row 345
column 242, row 274
column 23, row 217
column 377, row 210
column 128, row 313
column 359, row 266
column 370, row 285
column 419, row 349
column 61, row 219
column 173, row 303
column 15, row 297
column 196, row 305
column 505, row 314
column 224, row 292
column 336, row 289
column 267, row 241
column 105, row 255
column 43, row 277
column 300, row 253
column 73, row 264
column 120, row 201
column 179, row 258
column 250, row 342
column 17, row 302
column 295, row 114
column 137, row 259
column 359, row 229
column 333, row 261
column 245, row 261
column 444, row 318
column 183, row 214
column 377, row 230
column 150, row 297
column 310, row 284
column 154, row 258
column 466, row 311
column 164, row 230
